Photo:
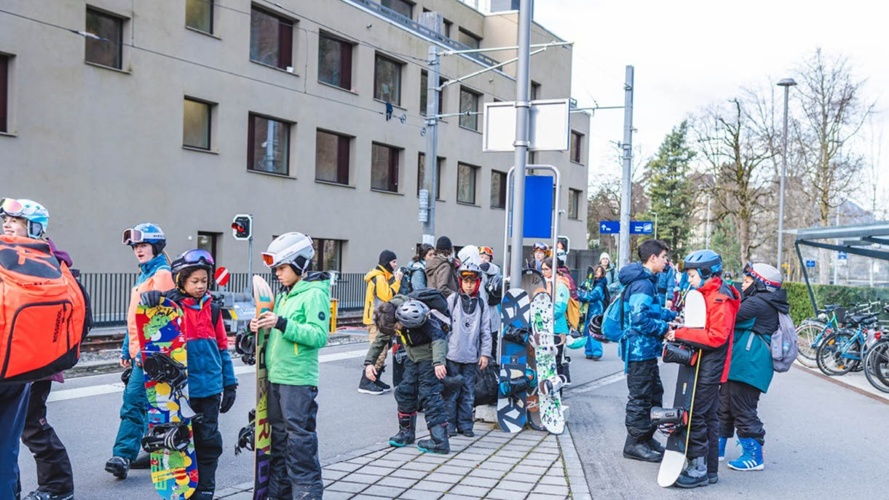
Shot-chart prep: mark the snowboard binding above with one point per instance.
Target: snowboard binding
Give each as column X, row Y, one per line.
column 553, row 385
column 173, row 436
column 160, row 367
column 245, row 435
column 516, row 385
column 245, row 345
column 516, row 335
column 669, row 420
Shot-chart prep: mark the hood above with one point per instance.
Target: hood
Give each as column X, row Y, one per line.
column 778, row 300
column 417, row 264
column 633, row 272
column 318, row 281
column 438, row 261
column 377, row 271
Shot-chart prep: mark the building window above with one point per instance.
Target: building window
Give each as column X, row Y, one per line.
column 576, row 147
column 4, row 92
column 335, row 61
column 387, row 80
column 468, row 39
column 447, row 28
column 469, row 104
column 573, row 203
column 332, row 157
column 199, row 15
column 384, row 168
column 196, row 124
column 108, row 49
column 421, row 174
column 268, row 145
column 466, row 183
column 424, row 91
column 535, row 91
column 404, row 8
column 208, row 241
column 271, row 39
column 498, row 189
column 328, row 254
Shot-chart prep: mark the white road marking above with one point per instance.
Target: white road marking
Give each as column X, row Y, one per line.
column 592, row 386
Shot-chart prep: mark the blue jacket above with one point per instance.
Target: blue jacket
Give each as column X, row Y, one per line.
column 560, row 306
column 646, row 320
column 594, row 299
column 666, row 284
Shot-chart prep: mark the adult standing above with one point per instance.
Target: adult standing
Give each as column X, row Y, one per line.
column 611, row 274
column 417, row 267
column 441, row 271
column 383, row 282
column 595, row 295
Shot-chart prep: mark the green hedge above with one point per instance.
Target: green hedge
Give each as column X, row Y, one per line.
column 849, row 296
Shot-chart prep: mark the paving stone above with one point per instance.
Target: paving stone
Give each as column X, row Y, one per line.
column 357, row 477
column 423, row 466
column 473, row 455
column 480, row 482
column 524, row 469
column 332, row 474
column 374, row 470
column 332, row 495
column 555, row 480
column 513, row 453
column 503, row 460
column 492, row 465
column 470, row 491
column 344, row 466
column 536, row 462
column 432, row 486
column 541, row 496
column 444, row 478
column 549, row 489
column 392, row 463
column 449, row 496
column 581, row 496
column 377, row 454
column 513, row 485
column 409, row 474
column 397, row 482
column 420, row 495
column 383, row 491
column 522, row 478
column 467, row 464
column 347, row 487
column 361, row 460
column 451, row 468
column 504, row 494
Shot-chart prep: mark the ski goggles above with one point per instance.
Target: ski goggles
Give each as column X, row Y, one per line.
column 11, row 207
column 750, row 271
column 541, row 246
column 134, row 236
column 468, row 275
column 268, row 259
column 198, row 256
column 486, row 251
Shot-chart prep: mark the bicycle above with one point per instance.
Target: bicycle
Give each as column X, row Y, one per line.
column 843, row 351
column 810, row 332
column 876, row 362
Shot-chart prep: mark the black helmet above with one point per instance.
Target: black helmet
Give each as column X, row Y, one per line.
column 190, row 261
column 494, row 287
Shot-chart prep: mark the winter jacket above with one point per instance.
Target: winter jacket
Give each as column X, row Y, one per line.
column 666, row 284
column 379, row 289
column 715, row 339
column 292, row 357
column 645, row 320
column 489, row 271
column 470, row 335
column 441, row 276
column 611, row 275
column 434, row 351
column 210, row 366
column 595, row 299
column 757, row 320
column 560, row 306
column 155, row 275
column 417, row 271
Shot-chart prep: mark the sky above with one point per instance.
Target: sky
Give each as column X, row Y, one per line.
column 692, row 53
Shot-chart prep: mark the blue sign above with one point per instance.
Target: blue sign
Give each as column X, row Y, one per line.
column 810, row 263
column 538, row 206
column 843, row 256
column 609, row 226
column 641, row 227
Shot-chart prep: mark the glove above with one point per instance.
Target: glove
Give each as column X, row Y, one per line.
column 228, row 398
column 151, row 298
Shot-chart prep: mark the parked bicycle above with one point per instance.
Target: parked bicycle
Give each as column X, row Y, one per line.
column 830, row 320
column 843, row 351
column 876, row 362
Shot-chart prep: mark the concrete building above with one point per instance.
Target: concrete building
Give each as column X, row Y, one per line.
column 308, row 115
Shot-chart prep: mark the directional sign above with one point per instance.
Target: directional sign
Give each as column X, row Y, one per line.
column 810, row 263
column 609, row 226
column 842, row 256
column 641, row 227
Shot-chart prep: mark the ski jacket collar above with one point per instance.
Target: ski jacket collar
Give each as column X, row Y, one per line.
column 151, row 267
column 634, row 272
column 377, row 271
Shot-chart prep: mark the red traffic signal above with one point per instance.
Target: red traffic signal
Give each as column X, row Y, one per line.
column 242, row 227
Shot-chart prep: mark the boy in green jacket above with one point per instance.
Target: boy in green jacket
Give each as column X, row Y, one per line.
column 299, row 329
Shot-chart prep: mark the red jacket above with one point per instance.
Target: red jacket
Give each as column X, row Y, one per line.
column 723, row 302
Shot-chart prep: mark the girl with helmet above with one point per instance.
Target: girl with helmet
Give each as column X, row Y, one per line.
column 704, row 269
column 300, row 325
column 211, row 376
column 147, row 241
column 595, row 295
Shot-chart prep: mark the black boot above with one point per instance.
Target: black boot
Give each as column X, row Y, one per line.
column 437, row 442
column 383, row 385
column 118, row 466
column 636, row 450
column 655, row 446
column 366, row 386
column 695, row 474
column 142, row 461
column 407, row 422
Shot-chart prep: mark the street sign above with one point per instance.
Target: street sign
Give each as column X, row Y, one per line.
column 222, row 276
column 641, row 227
column 810, row 263
column 549, row 126
column 842, row 256
column 609, row 226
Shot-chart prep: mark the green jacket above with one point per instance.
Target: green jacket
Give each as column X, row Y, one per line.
column 293, row 354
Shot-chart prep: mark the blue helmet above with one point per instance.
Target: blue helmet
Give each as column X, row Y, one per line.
column 36, row 214
column 145, row 232
column 707, row 262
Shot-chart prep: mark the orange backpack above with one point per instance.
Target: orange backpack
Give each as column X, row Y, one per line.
column 42, row 312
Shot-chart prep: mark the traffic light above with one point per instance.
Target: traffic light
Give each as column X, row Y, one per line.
column 242, row 227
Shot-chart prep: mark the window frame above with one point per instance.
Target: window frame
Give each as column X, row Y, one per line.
column 440, row 168
column 319, row 258
column 392, row 167
column 346, row 57
column 214, row 244
column 409, row 5
column 91, row 43
column 424, row 93
column 251, row 143
column 475, row 171
column 574, row 204
column 477, row 40
column 209, row 133
column 378, row 94
column 466, row 120
column 284, row 37
column 576, row 147
column 343, row 157
column 212, row 6
column 5, row 86
column 501, row 186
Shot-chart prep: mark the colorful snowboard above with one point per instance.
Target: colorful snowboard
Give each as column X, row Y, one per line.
column 548, row 380
column 264, row 300
column 532, row 280
column 511, row 408
column 174, row 472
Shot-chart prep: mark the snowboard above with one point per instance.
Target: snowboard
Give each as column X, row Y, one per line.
column 264, row 299
column 174, row 468
column 511, row 407
column 548, row 381
column 678, row 418
column 532, row 280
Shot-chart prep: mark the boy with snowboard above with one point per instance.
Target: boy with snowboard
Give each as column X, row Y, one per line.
column 704, row 270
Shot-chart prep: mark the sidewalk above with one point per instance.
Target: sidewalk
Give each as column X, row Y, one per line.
column 493, row 464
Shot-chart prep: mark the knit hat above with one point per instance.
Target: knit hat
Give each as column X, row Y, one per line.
column 604, row 255
column 444, row 244
column 387, row 256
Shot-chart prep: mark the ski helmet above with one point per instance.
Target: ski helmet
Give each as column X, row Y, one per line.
column 145, row 232
column 469, row 254
column 36, row 214
column 189, row 261
column 707, row 262
column 486, row 251
column 495, row 289
column 472, row 271
column 765, row 277
column 290, row 248
column 412, row 314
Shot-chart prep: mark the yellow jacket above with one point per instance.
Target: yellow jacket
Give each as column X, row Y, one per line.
column 378, row 290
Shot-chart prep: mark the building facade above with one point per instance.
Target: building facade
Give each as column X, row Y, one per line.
column 308, row 115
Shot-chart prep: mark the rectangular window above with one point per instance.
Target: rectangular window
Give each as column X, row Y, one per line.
column 271, row 39
column 196, row 124
column 332, row 157
column 268, row 145
column 447, row 28
column 468, row 39
column 424, row 90
column 466, row 183
column 335, row 61
column 469, row 104
column 421, row 173
column 199, row 15
column 384, row 168
column 535, row 91
column 404, row 8
column 498, row 189
column 4, row 93
column 328, row 254
column 574, row 203
column 387, row 80
column 576, row 147
column 108, row 49
column 208, row 241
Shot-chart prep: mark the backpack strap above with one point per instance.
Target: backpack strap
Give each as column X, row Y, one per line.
column 215, row 312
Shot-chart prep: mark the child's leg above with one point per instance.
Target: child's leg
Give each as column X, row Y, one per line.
column 466, row 396
column 406, row 394
column 745, row 400
column 450, row 403
column 430, row 394
column 640, row 384
column 132, row 417
column 726, row 412
column 302, row 468
column 706, row 397
column 279, row 485
column 207, row 443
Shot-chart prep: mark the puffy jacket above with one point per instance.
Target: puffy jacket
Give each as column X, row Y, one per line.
column 594, row 299
column 646, row 321
column 470, row 335
column 209, row 362
column 441, row 276
column 293, row 353
column 666, row 284
column 379, row 289
column 417, row 271
column 757, row 320
column 612, row 278
column 155, row 275
column 723, row 301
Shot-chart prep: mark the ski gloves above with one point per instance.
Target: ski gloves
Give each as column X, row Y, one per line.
column 151, row 298
column 228, row 398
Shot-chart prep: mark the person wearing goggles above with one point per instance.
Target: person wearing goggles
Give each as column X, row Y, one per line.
column 541, row 251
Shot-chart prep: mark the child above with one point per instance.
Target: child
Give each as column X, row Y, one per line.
column 383, row 282
column 595, row 295
column 211, row 376
column 147, row 241
column 704, row 269
column 469, row 345
column 424, row 368
column 300, row 325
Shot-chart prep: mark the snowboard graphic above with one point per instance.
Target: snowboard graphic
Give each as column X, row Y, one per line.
column 174, row 469
column 548, row 380
column 511, row 398
column 262, row 433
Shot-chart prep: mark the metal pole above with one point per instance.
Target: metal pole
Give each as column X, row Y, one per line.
column 626, row 184
column 430, row 180
column 836, row 258
column 707, row 239
column 522, row 132
column 250, row 265
column 786, row 83
column 655, row 225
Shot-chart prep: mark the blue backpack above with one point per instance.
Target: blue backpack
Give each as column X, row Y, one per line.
column 613, row 319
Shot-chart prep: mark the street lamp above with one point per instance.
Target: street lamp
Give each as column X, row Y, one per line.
column 786, row 83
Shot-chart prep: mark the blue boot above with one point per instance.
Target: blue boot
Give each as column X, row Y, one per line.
column 722, row 442
column 752, row 457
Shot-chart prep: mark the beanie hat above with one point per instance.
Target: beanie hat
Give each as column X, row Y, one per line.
column 444, row 244
column 387, row 256
column 604, row 255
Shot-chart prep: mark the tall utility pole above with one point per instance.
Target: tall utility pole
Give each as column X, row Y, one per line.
column 786, row 83
column 626, row 187
column 430, row 168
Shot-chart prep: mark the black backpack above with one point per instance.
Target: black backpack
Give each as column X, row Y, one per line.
column 433, row 298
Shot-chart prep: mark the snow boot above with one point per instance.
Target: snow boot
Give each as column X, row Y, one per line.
column 752, row 457
column 713, row 477
column 437, row 442
column 637, row 450
column 722, row 443
column 407, row 422
column 47, row 495
column 655, row 445
column 367, row 386
column 118, row 466
column 695, row 474
column 382, row 385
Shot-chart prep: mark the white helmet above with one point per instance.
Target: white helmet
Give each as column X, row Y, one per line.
column 290, row 248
